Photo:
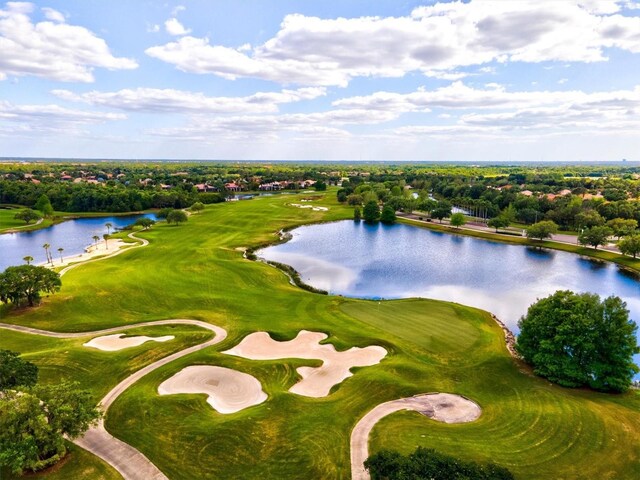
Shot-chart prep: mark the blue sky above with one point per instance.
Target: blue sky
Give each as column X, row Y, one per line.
column 489, row 80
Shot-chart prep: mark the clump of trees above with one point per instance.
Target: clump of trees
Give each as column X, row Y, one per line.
column 630, row 245
column 15, row 371
column 371, row 212
column 25, row 283
column 595, row 236
column 429, row 464
column 577, row 340
column 27, row 215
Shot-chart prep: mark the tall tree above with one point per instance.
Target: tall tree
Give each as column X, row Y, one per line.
column 95, row 240
column 47, row 247
column 577, row 340
column 371, row 212
column 60, row 250
column 630, row 245
column 441, row 210
column 15, row 371
column 595, row 236
column 457, row 220
column 542, row 230
column 108, row 225
column 44, row 205
column 388, row 215
column 25, row 282
column 28, row 259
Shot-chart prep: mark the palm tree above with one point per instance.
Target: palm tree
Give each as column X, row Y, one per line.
column 95, row 240
column 60, row 250
column 108, row 225
column 46, row 247
column 28, row 259
column 106, row 244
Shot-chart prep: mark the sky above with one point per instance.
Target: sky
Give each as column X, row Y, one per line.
column 479, row 80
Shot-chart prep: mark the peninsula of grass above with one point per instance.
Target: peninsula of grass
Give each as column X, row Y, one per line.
column 197, row 271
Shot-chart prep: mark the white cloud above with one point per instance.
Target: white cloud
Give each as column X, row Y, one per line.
column 177, row 10
column 53, row 15
column 56, row 51
column 153, row 28
column 174, row 27
column 437, row 40
column 180, row 101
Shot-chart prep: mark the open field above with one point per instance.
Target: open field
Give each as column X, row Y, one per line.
column 195, row 271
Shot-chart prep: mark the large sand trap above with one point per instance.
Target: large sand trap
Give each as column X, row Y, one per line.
column 315, row 209
column 229, row 390
column 111, row 343
column 316, row 381
column 442, row 407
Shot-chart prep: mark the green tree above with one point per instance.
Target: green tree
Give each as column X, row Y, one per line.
column 588, row 218
column 27, row 215
column 28, row 259
column 47, row 248
column 44, row 205
column 622, row 226
column 595, row 236
column 457, row 220
column 630, row 245
column 542, row 230
column 105, row 237
column 499, row 222
column 108, row 225
column 371, row 212
column 388, row 215
column 197, row 207
column 34, row 422
column 576, row 340
column 95, row 239
column 441, row 210
column 145, row 222
column 15, row 371
column 320, row 186
column 357, row 214
column 177, row 217
column 164, row 212
column 60, row 250
column 25, row 282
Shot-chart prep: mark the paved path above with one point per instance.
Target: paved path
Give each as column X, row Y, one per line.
column 131, row 464
column 443, row 407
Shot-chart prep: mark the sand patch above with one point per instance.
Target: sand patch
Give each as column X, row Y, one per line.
column 112, row 343
column 229, row 391
column 316, row 381
column 315, row 209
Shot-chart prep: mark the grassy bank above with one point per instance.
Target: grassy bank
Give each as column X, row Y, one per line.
column 197, row 271
column 622, row 260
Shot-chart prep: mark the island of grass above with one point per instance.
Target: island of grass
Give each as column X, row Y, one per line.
column 533, row 428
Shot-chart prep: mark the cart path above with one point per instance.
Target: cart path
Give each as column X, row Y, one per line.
column 442, row 407
column 131, row 464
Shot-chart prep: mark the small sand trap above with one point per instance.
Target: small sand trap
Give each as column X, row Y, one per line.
column 316, row 381
column 315, row 209
column 229, row 391
column 112, row 343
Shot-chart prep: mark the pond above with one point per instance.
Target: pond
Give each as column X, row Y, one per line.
column 400, row 261
column 71, row 235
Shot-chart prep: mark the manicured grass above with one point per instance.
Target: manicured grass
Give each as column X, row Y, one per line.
column 8, row 223
column 195, row 271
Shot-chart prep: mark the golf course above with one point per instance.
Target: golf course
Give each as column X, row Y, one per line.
column 198, row 271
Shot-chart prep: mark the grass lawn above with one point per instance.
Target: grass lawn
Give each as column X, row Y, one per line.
column 7, row 222
column 197, row 271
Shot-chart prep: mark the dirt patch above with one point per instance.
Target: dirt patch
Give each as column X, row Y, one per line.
column 118, row 341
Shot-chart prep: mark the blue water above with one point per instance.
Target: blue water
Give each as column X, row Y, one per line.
column 72, row 235
column 401, row 261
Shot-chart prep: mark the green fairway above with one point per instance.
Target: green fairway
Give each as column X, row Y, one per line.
column 197, row 271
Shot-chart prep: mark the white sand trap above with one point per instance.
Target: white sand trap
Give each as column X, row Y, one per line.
column 315, row 209
column 316, row 381
column 229, row 390
column 111, row 343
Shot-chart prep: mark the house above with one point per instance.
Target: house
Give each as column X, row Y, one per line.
column 526, row 193
column 232, row 187
column 564, row 193
column 269, row 187
column 66, row 178
column 166, row 187
column 203, row 187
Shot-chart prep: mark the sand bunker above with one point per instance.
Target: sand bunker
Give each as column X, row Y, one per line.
column 315, row 209
column 111, row 343
column 316, row 381
column 229, row 391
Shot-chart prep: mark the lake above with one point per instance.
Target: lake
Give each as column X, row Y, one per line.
column 400, row 261
column 72, row 235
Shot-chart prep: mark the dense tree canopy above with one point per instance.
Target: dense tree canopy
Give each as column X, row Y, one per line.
column 15, row 371
column 577, row 340
column 371, row 212
column 388, row 215
column 27, row 215
column 595, row 236
column 429, row 464
column 26, row 282
column 177, row 217
column 457, row 220
column 34, row 421
column 542, row 230
column 630, row 245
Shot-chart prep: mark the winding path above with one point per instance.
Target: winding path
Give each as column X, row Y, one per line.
column 131, row 464
column 443, row 407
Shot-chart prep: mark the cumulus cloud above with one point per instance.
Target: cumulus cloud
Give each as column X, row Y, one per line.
column 53, row 15
column 175, row 28
column 52, row 50
column 179, row 101
column 437, row 40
